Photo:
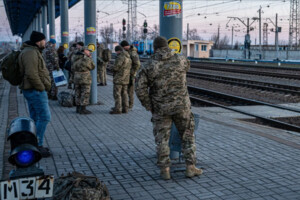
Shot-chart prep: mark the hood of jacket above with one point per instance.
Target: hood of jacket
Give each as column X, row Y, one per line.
column 124, row 53
column 163, row 53
column 29, row 44
column 132, row 48
column 78, row 55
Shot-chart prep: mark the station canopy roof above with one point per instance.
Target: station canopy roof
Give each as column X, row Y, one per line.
column 20, row 13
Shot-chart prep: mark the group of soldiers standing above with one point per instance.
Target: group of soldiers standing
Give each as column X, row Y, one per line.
column 126, row 65
column 161, row 87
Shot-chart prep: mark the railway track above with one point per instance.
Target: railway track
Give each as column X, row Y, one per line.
column 294, row 90
column 212, row 98
column 244, row 71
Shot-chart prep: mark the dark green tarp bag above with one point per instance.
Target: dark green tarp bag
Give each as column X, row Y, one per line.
column 77, row 186
column 10, row 68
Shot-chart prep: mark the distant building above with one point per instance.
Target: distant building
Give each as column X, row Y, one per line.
column 197, row 48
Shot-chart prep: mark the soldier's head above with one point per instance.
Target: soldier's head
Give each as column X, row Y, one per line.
column 118, row 49
column 53, row 42
column 38, row 38
column 125, row 45
column 160, row 42
column 87, row 51
column 79, row 45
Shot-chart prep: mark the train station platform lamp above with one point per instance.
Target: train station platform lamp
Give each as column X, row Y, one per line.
column 24, row 153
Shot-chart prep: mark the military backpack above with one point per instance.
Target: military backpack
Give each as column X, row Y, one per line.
column 106, row 55
column 77, row 186
column 66, row 99
column 10, row 68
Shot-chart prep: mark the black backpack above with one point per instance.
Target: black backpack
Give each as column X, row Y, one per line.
column 10, row 68
column 68, row 65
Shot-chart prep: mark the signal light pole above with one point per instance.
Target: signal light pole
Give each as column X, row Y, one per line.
column 145, row 36
column 124, row 28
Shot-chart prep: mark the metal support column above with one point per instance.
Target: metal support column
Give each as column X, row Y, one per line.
column 170, row 23
column 170, row 27
column 64, row 24
column 40, row 21
column 276, row 36
column 51, row 13
column 90, row 41
column 44, row 20
column 36, row 22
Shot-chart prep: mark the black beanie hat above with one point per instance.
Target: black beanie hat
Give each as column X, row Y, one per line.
column 37, row 36
column 160, row 42
column 118, row 48
column 80, row 43
column 124, row 43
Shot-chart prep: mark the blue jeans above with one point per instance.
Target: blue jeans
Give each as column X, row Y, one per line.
column 39, row 111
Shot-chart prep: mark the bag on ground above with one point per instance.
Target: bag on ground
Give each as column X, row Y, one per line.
column 106, row 55
column 59, row 78
column 66, row 99
column 77, row 186
column 10, row 68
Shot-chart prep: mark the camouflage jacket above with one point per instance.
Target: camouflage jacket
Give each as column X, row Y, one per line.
column 100, row 61
column 121, row 69
column 161, row 83
column 82, row 66
column 51, row 57
column 136, row 64
column 76, row 54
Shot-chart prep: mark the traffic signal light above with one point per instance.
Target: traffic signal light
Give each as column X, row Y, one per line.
column 24, row 152
column 145, row 27
column 124, row 26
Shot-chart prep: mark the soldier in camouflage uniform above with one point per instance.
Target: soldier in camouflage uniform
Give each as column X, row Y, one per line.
column 52, row 63
column 82, row 65
column 162, row 89
column 100, row 65
column 72, row 56
column 121, row 73
column 134, row 68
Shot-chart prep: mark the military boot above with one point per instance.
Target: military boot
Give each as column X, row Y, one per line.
column 84, row 111
column 78, row 108
column 192, row 170
column 165, row 173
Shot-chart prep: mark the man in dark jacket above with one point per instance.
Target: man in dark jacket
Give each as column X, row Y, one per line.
column 35, row 83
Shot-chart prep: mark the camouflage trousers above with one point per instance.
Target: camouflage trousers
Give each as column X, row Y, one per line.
column 121, row 97
column 53, row 90
column 131, row 91
column 71, row 78
column 82, row 95
column 184, row 122
column 101, row 74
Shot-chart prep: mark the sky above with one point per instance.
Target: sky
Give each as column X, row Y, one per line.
column 204, row 15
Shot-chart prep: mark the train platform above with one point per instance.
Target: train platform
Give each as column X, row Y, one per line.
column 240, row 160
